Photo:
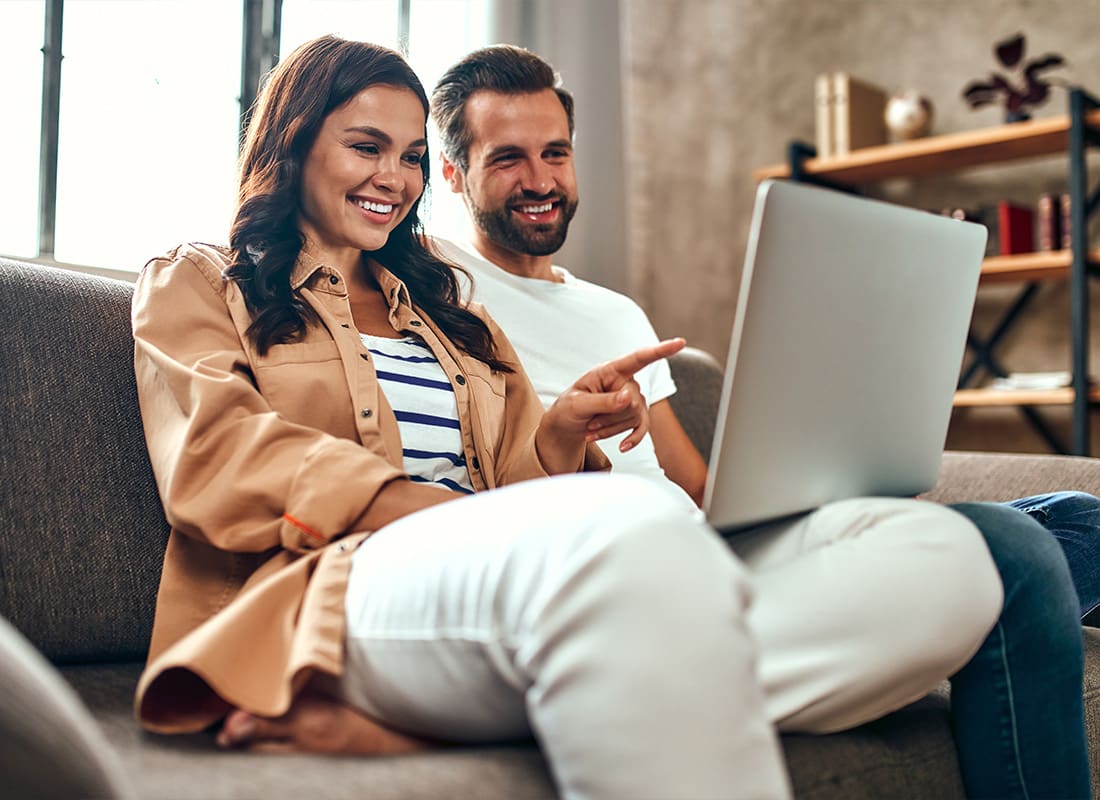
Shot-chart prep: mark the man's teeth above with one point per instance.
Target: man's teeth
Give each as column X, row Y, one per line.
column 379, row 207
column 536, row 209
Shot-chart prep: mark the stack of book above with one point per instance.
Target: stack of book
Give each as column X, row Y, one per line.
column 849, row 114
column 1016, row 228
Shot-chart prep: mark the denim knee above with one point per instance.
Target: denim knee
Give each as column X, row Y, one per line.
column 1037, row 582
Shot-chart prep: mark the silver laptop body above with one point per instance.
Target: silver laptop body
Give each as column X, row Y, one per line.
column 848, row 336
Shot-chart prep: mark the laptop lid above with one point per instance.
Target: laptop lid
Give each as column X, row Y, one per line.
column 847, row 341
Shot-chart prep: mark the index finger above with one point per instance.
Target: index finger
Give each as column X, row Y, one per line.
column 627, row 365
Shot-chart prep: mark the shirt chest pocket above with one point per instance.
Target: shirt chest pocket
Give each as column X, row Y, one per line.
column 487, row 399
column 305, row 383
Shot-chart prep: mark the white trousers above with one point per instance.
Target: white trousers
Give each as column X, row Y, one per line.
column 600, row 615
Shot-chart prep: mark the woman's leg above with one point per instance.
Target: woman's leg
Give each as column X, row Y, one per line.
column 589, row 610
column 1074, row 519
column 864, row 606
column 1017, row 707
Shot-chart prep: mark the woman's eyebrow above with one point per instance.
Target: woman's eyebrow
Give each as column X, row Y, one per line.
column 381, row 135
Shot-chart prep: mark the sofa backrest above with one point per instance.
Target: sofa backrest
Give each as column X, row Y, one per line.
column 82, row 532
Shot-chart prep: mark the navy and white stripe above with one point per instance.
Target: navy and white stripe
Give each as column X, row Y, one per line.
column 427, row 415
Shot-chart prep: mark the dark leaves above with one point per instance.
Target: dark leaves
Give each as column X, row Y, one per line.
column 1010, row 51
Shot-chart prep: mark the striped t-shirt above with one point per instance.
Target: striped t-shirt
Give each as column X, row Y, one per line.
column 427, row 415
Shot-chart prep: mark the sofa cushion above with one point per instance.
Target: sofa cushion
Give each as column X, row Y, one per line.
column 82, row 533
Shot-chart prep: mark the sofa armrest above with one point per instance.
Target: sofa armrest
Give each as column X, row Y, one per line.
column 1004, row 476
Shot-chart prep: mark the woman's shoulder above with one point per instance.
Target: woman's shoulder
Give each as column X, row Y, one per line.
column 184, row 261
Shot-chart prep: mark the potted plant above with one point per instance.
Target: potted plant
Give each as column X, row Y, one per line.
column 1030, row 87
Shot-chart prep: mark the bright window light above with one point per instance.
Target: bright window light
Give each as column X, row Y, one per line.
column 364, row 20
column 21, row 35
column 148, row 133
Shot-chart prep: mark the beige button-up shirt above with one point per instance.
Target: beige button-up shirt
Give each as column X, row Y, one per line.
column 264, row 462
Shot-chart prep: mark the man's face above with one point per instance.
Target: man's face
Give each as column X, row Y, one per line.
column 520, row 187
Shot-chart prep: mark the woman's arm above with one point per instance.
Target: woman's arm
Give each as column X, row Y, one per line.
column 231, row 470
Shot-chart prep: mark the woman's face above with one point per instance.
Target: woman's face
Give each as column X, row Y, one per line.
column 362, row 175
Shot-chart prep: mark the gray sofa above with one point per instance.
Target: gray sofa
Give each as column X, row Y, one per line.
column 81, row 540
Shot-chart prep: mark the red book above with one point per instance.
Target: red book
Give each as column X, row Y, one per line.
column 1016, row 228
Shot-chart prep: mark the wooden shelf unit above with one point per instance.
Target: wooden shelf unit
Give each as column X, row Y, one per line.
column 1068, row 136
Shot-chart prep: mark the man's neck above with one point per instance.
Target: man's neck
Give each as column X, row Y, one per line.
column 521, row 264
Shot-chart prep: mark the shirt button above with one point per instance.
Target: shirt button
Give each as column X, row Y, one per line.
column 365, row 413
column 460, row 380
column 333, row 280
column 476, row 463
column 415, row 323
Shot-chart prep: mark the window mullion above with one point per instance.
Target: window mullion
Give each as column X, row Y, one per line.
column 259, row 50
column 51, row 115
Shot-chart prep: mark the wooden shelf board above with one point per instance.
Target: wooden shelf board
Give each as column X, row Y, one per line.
column 937, row 154
column 971, row 398
column 1046, row 265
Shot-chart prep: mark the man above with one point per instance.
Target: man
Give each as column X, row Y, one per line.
column 517, row 227
column 507, row 127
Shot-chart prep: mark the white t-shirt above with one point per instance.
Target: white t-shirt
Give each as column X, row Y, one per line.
column 562, row 330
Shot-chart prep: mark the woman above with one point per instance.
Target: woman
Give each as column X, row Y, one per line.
column 324, row 419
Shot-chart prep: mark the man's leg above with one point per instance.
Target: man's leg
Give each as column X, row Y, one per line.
column 1017, row 707
column 864, row 606
column 1074, row 519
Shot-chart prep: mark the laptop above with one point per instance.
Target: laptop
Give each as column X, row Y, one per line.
column 848, row 337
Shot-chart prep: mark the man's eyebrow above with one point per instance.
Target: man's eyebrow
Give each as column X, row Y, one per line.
column 381, row 135
column 505, row 149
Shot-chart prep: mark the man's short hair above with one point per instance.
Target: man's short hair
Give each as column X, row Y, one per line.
column 500, row 68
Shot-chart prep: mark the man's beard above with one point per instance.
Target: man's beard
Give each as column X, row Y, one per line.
column 529, row 239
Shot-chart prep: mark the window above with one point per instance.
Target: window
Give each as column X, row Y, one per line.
column 148, row 126
column 147, row 143
column 21, row 43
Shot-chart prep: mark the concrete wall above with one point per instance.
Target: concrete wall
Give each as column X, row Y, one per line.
column 716, row 88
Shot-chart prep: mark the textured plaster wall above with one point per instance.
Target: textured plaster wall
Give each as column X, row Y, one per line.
column 716, row 88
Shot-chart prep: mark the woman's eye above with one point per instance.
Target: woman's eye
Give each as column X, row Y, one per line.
column 366, row 149
column 414, row 158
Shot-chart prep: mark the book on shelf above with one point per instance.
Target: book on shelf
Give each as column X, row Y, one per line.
column 859, row 111
column 1048, row 212
column 1016, row 228
column 823, row 115
column 1031, row 381
column 848, row 114
column 1066, row 228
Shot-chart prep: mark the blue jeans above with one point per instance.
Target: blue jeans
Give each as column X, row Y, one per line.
column 1074, row 519
column 1017, row 707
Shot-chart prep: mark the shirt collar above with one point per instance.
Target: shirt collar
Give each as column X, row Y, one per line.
column 393, row 287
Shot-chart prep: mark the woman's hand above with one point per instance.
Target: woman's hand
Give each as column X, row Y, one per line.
column 605, row 401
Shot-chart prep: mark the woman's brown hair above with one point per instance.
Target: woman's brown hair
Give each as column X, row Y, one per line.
column 314, row 80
